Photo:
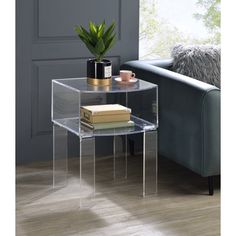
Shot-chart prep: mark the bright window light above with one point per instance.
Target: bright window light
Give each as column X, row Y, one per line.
column 165, row 23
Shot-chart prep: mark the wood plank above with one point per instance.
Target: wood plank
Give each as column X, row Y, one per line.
column 182, row 206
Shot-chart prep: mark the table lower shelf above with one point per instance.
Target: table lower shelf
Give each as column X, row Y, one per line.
column 86, row 154
column 72, row 125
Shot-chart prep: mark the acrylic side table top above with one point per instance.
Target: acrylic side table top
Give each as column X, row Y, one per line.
column 80, row 84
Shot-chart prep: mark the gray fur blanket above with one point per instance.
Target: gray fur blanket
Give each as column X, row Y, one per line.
column 199, row 62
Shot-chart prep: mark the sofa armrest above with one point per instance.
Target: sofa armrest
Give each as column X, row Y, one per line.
column 163, row 63
column 189, row 118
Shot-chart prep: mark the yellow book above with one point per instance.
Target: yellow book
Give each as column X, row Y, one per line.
column 105, row 113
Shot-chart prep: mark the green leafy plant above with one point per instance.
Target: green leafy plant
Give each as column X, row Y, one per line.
column 98, row 40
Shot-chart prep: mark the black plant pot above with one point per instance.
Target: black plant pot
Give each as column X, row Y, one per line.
column 99, row 73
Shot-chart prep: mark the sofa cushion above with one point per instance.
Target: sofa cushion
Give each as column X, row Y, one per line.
column 199, row 62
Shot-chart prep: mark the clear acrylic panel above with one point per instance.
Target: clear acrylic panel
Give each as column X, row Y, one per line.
column 87, row 167
column 119, row 157
column 65, row 102
column 144, row 107
column 60, row 156
column 65, row 107
column 150, row 162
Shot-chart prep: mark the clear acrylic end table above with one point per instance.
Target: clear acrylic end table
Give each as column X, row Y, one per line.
column 68, row 95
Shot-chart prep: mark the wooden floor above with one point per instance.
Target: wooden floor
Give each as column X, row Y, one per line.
column 182, row 206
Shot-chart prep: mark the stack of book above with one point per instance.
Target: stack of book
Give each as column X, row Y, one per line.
column 106, row 116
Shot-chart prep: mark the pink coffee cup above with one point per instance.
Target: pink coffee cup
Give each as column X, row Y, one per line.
column 126, row 75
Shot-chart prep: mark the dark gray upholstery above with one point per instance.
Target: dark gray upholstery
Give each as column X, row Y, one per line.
column 189, row 116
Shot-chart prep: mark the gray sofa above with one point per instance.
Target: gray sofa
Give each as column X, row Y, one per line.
column 189, row 117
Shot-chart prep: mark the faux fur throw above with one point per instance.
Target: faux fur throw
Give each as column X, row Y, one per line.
column 199, row 62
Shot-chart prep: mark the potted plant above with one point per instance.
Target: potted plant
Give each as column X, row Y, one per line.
column 98, row 40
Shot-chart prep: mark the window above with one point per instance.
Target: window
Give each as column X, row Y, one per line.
column 165, row 23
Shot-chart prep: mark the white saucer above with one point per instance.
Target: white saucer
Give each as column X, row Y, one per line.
column 131, row 81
